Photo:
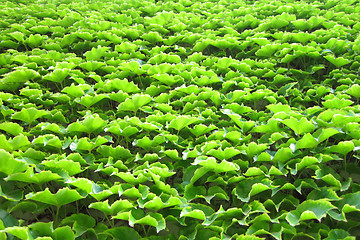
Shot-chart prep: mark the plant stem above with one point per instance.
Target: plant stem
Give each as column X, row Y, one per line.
column 110, row 222
column 77, row 207
column 145, row 232
column 56, row 216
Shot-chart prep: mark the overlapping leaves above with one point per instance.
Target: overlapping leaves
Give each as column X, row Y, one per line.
column 179, row 120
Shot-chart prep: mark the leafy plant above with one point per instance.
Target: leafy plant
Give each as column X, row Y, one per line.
column 179, row 119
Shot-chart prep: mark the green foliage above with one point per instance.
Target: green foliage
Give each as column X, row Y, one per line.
column 179, row 119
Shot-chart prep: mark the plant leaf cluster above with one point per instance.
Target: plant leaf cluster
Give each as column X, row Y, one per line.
column 179, row 119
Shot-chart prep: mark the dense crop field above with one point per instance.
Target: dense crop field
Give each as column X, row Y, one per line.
column 179, row 119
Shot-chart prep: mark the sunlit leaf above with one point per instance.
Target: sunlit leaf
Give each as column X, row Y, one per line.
column 62, row 197
column 309, row 209
column 301, row 126
column 338, row 62
column 134, row 103
column 12, row 128
column 10, row 165
column 29, row 115
column 182, row 122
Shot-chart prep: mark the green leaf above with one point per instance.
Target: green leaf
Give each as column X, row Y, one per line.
column 167, row 79
column 205, row 80
column 137, row 216
column 48, row 140
column 58, row 75
column 197, row 214
column 95, row 54
column 83, row 184
column 91, row 66
column 328, row 178
column 354, row 90
column 6, row 144
column 337, row 103
column 349, row 203
column 116, row 153
column 133, row 66
column 126, row 47
column 30, row 177
column 119, row 97
column 92, row 123
column 63, row 233
column 161, row 224
column 250, row 187
column 237, row 119
column 9, row 165
column 35, row 40
column 324, row 134
column 22, row 233
column 53, row 127
column 303, row 37
column 120, row 84
column 81, row 223
column 216, row 191
column 224, row 154
column 305, row 162
column 129, row 178
column 62, row 197
column 248, row 237
column 172, row 153
column 182, row 122
column 309, row 209
column 324, row 193
column 71, row 167
column 283, row 155
column 338, row 62
column 120, row 130
column 7, row 220
column 222, row 44
column 267, row 50
column 29, row 115
column 44, row 238
column 192, row 192
column 343, row 147
column 154, row 204
column 201, row 129
column 253, row 171
column 131, row 193
column 254, row 149
column 12, row 128
column 224, row 63
column 278, row 22
column 211, row 164
column 301, row 24
column 20, row 142
column 135, row 102
column 116, row 207
column 152, row 37
column 89, row 100
column 338, row 234
column 275, row 108
column 301, row 126
column 307, row 141
column 18, row 36
column 41, row 228
column 122, row 233
column 144, row 143
column 13, row 80
column 74, row 91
